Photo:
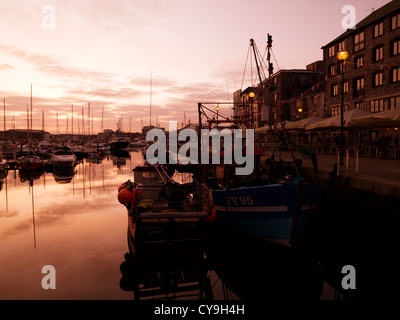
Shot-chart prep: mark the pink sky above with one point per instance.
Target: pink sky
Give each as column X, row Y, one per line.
column 104, row 52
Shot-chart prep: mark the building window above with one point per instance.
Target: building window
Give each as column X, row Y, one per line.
column 379, row 105
column 378, row 79
column 359, row 62
column 378, row 30
column 346, row 87
column 395, row 47
column 315, row 100
column 331, row 51
column 336, row 110
column 342, row 67
column 396, row 74
column 396, row 21
column 359, row 105
column 359, row 84
column 335, row 90
column 378, row 54
column 359, row 41
column 342, row 46
column 395, row 102
column 332, row 70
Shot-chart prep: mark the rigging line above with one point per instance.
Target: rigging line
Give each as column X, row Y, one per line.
column 261, row 69
column 245, row 67
column 276, row 61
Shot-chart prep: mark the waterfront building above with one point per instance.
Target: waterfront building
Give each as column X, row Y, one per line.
column 371, row 72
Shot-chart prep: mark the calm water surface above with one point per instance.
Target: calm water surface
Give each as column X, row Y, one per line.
column 75, row 224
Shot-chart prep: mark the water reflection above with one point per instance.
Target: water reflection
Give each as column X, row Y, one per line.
column 73, row 221
column 64, row 175
column 76, row 223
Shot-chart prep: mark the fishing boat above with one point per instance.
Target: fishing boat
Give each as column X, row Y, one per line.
column 166, row 223
column 63, row 157
column 275, row 201
column 30, row 162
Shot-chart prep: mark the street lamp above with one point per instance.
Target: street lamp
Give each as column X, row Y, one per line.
column 217, row 109
column 252, row 96
column 342, row 56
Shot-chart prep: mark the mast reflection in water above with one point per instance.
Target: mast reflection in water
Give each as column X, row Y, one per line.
column 73, row 221
column 69, row 219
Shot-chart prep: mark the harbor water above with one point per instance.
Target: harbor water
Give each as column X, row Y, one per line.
column 72, row 221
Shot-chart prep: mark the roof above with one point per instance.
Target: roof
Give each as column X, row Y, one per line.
column 378, row 14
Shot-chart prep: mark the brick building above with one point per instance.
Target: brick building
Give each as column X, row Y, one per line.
column 371, row 73
column 286, row 93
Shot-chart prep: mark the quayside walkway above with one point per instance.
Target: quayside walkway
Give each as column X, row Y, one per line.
column 378, row 176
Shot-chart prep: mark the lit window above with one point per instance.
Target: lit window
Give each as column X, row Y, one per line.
column 378, row 79
column 335, row 90
column 359, row 62
column 396, row 74
column 359, row 41
column 396, row 47
column 359, row 84
column 378, row 30
column 378, row 54
column 342, row 46
column 331, row 51
column 396, row 21
column 346, row 87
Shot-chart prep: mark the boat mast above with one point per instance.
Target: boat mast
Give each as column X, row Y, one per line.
column 259, row 77
column 151, row 91
column 4, row 120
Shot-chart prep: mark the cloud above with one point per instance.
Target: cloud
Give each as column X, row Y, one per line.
column 6, row 67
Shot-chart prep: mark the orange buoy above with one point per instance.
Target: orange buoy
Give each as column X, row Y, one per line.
column 212, row 216
column 122, row 186
column 125, row 196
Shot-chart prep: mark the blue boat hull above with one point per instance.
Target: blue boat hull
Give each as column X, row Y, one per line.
column 265, row 212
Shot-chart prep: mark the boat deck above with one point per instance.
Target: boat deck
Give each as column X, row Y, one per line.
column 165, row 237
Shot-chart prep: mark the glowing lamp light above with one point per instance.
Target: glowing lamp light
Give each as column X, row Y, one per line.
column 300, row 110
column 343, row 55
column 217, row 108
column 252, row 94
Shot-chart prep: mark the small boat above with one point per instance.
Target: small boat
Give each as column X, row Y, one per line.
column 63, row 157
column 45, row 149
column 95, row 146
column 120, row 143
column 138, row 144
column 3, row 164
column 30, row 162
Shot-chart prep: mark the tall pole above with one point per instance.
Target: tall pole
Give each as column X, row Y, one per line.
column 102, row 117
column 151, row 91
column 341, row 162
column 31, row 109
column 72, row 119
column 259, row 77
column 4, row 118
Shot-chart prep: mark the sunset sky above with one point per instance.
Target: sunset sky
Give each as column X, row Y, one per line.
column 106, row 52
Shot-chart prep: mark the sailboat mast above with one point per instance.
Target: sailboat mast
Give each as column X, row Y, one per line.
column 151, row 91
column 31, row 112
column 102, row 118
column 4, row 120
column 72, row 119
